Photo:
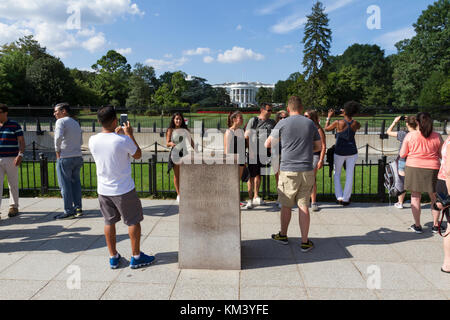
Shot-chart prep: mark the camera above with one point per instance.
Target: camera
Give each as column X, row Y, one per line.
column 338, row 112
column 402, row 118
column 123, row 119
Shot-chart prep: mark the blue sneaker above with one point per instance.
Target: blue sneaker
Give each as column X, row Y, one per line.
column 144, row 260
column 114, row 262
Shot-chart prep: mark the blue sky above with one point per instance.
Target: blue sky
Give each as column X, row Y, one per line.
column 221, row 41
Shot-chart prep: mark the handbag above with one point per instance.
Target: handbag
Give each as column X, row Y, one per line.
column 245, row 175
column 445, row 201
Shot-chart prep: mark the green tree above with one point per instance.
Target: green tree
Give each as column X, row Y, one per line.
column 142, row 86
column 428, row 51
column 430, row 96
column 317, row 42
column 374, row 70
column 111, row 81
column 50, row 82
column 14, row 89
column 264, row 95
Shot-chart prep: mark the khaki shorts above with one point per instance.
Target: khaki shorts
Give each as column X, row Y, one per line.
column 127, row 206
column 295, row 188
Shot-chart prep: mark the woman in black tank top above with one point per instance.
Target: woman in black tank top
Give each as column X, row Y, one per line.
column 345, row 150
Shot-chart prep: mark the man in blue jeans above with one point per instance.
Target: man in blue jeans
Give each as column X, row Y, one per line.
column 68, row 141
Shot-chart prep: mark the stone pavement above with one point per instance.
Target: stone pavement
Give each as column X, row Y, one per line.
column 357, row 248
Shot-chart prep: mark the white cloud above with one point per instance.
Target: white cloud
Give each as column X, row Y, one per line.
column 197, row 52
column 208, row 59
column 285, row 48
column 125, row 52
column 239, row 28
column 388, row 40
column 95, row 43
column 162, row 65
column 47, row 21
column 289, row 24
column 271, row 8
column 297, row 20
column 10, row 33
column 238, row 54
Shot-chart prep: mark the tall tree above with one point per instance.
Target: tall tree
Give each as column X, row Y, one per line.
column 418, row 58
column 50, row 81
column 113, row 72
column 317, row 42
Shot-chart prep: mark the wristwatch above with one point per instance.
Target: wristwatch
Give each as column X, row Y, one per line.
column 20, row 154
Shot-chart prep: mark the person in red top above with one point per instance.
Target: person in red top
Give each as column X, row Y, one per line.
column 423, row 151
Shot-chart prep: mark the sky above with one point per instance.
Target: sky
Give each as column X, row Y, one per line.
column 221, row 41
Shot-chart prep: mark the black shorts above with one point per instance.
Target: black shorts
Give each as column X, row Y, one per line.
column 255, row 170
column 441, row 187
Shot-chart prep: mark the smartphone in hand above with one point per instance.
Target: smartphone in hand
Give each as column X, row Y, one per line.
column 123, row 119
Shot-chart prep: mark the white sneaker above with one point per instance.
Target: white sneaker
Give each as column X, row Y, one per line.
column 258, row 202
column 249, row 205
column 178, row 199
column 398, row 205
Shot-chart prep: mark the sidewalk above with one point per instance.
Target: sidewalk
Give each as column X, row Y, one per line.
column 39, row 257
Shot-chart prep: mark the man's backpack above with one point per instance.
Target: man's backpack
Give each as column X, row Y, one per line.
column 392, row 180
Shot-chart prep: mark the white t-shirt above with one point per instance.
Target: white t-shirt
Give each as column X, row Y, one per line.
column 112, row 154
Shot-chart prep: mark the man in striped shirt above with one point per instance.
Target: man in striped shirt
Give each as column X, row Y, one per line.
column 12, row 147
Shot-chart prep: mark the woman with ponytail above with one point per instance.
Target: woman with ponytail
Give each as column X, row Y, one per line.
column 234, row 140
column 422, row 148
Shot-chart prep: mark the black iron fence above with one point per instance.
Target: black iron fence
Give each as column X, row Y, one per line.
column 153, row 179
column 374, row 125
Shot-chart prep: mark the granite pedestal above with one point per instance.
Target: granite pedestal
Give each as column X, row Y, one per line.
column 210, row 216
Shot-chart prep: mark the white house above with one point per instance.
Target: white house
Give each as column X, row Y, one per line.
column 243, row 93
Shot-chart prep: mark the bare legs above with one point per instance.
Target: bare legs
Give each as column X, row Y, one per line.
column 135, row 237
column 416, row 208
column 253, row 187
column 176, row 178
column 304, row 221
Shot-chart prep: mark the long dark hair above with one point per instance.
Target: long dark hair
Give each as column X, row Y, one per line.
column 425, row 124
column 183, row 123
column 314, row 116
column 232, row 116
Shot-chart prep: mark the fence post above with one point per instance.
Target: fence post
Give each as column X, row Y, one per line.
column 264, row 183
column 51, row 126
column 154, row 127
column 367, row 153
column 43, row 161
column 139, row 127
column 34, row 150
column 154, row 180
column 383, row 135
column 38, row 128
column 366, row 129
column 150, row 175
column 381, row 169
column 25, row 126
column 445, row 128
column 93, row 126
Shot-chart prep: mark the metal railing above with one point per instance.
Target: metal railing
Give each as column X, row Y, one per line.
column 153, row 179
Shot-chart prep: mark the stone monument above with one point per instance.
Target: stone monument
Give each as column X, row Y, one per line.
column 210, row 215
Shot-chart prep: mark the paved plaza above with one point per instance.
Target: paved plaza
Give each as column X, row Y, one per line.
column 362, row 252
